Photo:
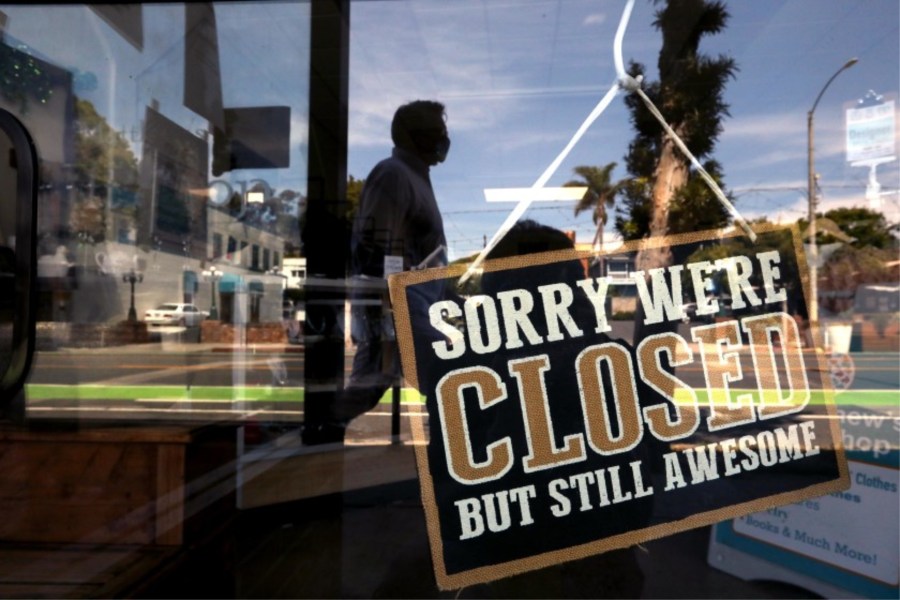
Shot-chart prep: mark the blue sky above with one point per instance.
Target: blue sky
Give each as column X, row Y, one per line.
column 264, row 59
column 518, row 78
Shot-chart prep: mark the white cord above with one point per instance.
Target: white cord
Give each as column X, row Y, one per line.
column 629, row 84
column 523, row 205
column 706, row 177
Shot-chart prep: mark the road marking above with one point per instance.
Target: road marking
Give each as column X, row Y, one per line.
column 212, row 394
column 174, row 393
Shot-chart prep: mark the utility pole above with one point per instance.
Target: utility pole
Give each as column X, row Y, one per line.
column 811, row 195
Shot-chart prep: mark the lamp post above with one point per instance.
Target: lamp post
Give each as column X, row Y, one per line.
column 213, row 275
column 132, row 277
column 811, row 195
column 84, row 238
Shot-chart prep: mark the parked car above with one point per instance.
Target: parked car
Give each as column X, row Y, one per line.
column 175, row 313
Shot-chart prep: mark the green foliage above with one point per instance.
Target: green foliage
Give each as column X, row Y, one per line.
column 102, row 154
column 601, row 192
column 87, row 218
column 354, row 191
column 695, row 206
column 600, row 195
column 849, row 267
column 869, row 228
column 105, row 167
column 23, row 78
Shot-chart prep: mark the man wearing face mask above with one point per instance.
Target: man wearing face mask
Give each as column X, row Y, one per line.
column 398, row 214
column 397, row 227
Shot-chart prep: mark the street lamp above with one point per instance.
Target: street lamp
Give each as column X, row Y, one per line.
column 132, row 277
column 811, row 195
column 213, row 275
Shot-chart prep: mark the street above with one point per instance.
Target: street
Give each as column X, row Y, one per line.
column 202, row 381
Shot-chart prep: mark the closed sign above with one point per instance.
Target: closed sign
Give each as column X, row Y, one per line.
column 572, row 410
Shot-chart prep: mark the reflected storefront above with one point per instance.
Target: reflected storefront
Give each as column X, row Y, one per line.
column 165, row 151
column 213, row 157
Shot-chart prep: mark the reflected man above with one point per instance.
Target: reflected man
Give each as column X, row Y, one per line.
column 397, row 227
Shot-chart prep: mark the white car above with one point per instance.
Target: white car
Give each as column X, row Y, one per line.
column 175, row 313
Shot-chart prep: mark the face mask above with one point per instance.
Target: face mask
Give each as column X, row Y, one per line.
column 432, row 145
column 441, row 148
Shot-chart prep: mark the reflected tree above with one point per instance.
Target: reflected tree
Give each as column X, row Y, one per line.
column 868, row 228
column 850, row 267
column 868, row 254
column 23, row 78
column 600, row 196
column 664, row 195
column 105, row 169
column 354, row 192
column 87, row 219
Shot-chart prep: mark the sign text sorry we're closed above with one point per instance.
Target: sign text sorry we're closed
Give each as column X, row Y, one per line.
column 573, row 412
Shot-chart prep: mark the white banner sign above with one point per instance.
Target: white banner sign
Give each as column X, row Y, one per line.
column 871, row 132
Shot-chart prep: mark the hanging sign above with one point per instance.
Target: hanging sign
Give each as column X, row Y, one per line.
column 556, row 430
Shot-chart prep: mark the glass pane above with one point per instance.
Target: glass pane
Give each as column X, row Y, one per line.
column 172, row 140
column 523, row 82
column 176, row 142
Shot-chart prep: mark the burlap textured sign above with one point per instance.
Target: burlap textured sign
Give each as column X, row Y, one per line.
column 571, row 413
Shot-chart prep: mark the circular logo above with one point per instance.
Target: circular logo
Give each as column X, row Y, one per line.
column 842, row 370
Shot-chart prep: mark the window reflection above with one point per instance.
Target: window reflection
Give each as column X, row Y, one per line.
column 173, row 284
column 172, row 145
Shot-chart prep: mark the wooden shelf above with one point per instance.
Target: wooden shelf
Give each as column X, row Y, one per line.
column 97, row 511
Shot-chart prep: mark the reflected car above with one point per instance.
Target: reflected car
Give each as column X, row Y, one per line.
column 175, row 313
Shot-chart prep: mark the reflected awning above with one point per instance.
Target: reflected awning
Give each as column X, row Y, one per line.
column 230, row 283
column 190, row 283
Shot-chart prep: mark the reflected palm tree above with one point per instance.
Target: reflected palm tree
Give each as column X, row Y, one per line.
column 601, row 195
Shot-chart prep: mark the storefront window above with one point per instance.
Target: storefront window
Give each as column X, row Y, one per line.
column 162, row 130
column 217, row 398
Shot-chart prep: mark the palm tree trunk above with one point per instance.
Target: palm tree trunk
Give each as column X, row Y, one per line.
column 671, row 174
column 598, row 236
